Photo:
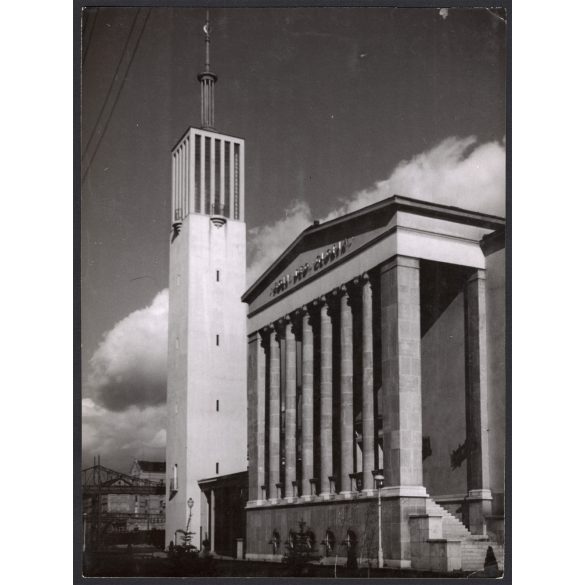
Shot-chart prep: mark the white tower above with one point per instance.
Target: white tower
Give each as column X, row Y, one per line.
column 206, row 383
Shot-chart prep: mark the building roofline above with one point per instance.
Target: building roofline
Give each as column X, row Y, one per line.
column 189, row 128
column 493, row 242
column 399, row 203
column 223, row 478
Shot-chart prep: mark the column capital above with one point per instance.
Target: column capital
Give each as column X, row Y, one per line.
column 310, row 311
column 328, row 301
column 353, row 289
column 361, row 280
column 274, row 332
column 271, row 328
column 264, row 336
column 402, row 261
column 294, row 318
column 279, row 327
column 288, row 324
column 346, row 292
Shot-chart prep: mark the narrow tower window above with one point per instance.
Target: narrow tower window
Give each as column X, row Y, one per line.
column 217, row 275
column 236, row 211
column 217, row 339
column 208, row 171
column 228, row 210
column 217, row 171
column 197, row 173
column 217, row 467
column 217, row 405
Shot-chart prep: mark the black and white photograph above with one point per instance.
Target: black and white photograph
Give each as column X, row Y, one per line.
column 294, row 291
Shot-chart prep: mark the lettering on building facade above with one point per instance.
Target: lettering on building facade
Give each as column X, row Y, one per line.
column 321, row 260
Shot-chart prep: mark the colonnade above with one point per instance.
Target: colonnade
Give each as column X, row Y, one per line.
column 398, row 287
column 280, row 339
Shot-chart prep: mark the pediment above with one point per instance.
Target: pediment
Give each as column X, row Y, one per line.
column 318, row 248
column 321, row 246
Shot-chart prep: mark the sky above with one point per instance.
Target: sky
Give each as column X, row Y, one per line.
column 339, row 107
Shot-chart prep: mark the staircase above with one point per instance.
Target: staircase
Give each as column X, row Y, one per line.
column 473, row 547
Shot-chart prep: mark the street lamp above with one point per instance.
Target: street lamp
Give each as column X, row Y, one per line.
column 379, row 479
column 190, row 503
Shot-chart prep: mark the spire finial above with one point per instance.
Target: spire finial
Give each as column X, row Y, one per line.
column 207, row 31
column 207, row 80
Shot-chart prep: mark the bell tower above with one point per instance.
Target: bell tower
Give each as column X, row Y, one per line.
column 206, row 380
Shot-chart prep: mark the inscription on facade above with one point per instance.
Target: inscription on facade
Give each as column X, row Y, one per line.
column 321, row 260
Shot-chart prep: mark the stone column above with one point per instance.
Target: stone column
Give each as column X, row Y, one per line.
column 478, row 481
column 256, row 416
column 307, row 404
column 326, row 420
column 346, row 329
column 202, row 178
column 401, row 372
column 290, row 403
column 402, row 403
column 368, row 423
column 274, row 417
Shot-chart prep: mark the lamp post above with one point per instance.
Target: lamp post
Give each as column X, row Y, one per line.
column 379, row 479
column 190, row 504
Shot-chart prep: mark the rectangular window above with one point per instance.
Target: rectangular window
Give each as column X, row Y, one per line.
column 217, row 275
column 217, row 171
column 217, row 405
column 226, row 161
column 217, row 468
column 217, row 339
column 236, row 211
column 207, row 171
column 197, row 173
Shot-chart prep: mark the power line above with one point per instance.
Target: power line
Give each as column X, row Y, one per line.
column 112, row 83
column 120, row 87
column 89, row 33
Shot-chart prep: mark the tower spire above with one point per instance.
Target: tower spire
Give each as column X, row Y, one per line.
column 207, row 81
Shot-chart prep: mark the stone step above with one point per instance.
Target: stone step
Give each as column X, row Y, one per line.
column 452, row 527
column 473, row 547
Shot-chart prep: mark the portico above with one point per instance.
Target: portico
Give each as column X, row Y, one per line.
column 335, row 375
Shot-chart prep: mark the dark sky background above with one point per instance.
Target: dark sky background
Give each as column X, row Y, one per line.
column 329, row 101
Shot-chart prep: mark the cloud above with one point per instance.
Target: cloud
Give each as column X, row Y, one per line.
column 457, row 171
column 129, row 366
column 266, row 243
column 120, row 436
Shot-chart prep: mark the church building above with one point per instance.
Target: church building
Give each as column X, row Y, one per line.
column 376, row 389
column 206, row 380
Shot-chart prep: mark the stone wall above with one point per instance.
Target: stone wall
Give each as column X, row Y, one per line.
column 359, row 514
